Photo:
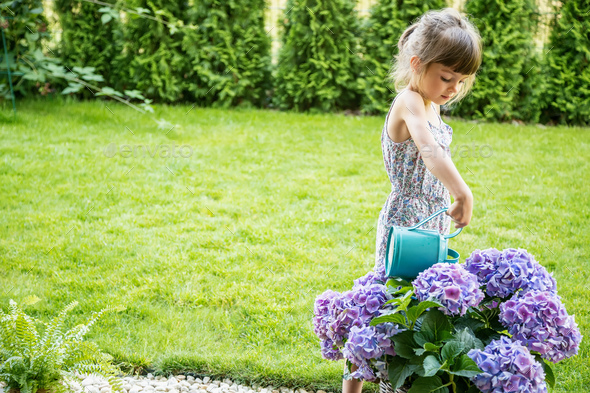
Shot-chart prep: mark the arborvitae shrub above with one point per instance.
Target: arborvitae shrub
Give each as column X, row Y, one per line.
column 153, row 59
column 319, row 63
column 380, row 34
column 566, row 70
column 87, row 42
column 229, row 53
column 507, row 29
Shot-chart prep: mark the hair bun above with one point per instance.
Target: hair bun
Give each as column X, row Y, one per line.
column 406, row 35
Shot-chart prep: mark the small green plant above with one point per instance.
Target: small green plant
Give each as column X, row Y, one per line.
column 29, row 361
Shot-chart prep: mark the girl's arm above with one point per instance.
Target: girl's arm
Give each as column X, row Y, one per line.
column 437, row 160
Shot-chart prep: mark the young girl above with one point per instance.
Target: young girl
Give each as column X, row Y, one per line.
column 436, row 65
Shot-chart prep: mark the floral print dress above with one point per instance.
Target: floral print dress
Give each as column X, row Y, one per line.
column 415, row 194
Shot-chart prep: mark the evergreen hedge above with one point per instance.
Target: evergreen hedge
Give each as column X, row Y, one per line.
column 88, row 42
column 507, row 28
column 229, row 52
column 566, row 96
column 381, row 32
column 153, row 60
column 217, row 53
column 319, row 65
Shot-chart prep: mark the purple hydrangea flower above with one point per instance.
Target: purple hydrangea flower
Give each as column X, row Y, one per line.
column 362, row 345
column 336, row 314
column 383, row 333
column 322, row 312
column 507, row 366
column 541, row 280
column 330, row 351
column 504, row 273
column 364, row 372
column 540, row 321
column 451, row 285
column 376, row 276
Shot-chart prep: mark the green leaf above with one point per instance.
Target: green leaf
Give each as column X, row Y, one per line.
column 432, row 347
column 414, row 312
column 467, row 339
column 418, row 361
column 431, row 365
column 435, row 328
column 428, row 385
column 84, row 70
column 405, row 344
column 134, row 94
column 549, row 376
column 109, row 91
column 32, row 37
column 36, row 11
column 395, row 318
column 468, row 322
column 487, row 335
column 397, row 282
column 72, row 88
column 451, row 350
column 398, row 370
column 465, row 367
column 141, row 10
column 106, row 18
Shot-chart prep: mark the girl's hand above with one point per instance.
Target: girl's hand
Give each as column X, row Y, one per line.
column 461, row 210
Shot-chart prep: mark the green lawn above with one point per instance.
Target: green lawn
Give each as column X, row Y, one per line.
column 219, row 255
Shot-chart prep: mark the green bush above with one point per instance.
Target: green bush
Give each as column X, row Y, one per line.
column 88, row 42
column 25, row 29
column 30, row 361
column 566, row 97
column 528, row 101
column 319, row 63
column 152, row 58
column 229, row 52
column 507, row 28
column 380, row 34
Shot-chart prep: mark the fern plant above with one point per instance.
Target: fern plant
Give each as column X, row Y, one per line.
column 30, row 361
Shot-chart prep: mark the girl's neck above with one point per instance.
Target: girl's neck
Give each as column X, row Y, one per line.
column 413, row 88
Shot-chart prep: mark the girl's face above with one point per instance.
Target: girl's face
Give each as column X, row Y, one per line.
column 440, row 83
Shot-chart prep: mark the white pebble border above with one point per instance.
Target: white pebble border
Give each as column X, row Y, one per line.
column 173, row 384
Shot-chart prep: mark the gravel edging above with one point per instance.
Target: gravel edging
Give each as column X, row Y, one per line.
column 173, row 384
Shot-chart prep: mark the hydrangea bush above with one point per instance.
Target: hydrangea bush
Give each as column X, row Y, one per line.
column 491, row 324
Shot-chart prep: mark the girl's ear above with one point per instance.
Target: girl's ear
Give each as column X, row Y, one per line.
column 415, row 63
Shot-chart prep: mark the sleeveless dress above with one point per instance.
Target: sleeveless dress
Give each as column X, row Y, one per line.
column 415, row 194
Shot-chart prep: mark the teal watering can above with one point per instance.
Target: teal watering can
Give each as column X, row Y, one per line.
column 412, row 250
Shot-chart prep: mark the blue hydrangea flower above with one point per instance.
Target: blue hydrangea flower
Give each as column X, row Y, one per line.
column 376, row 276
column 504, row 273
column 507, row 366
column 540, row 321
column 336, row 314
column 453, row 286
column 330, row 351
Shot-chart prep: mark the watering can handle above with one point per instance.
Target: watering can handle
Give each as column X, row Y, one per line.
column 444, row 209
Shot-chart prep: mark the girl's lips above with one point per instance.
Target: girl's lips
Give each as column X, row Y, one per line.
column 445, row 97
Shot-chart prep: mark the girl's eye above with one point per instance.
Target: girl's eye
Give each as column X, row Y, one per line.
column 445, row 80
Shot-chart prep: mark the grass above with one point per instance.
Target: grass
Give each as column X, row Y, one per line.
column 219, row 256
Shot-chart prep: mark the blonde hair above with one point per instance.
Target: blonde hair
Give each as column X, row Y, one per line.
column 439, row 36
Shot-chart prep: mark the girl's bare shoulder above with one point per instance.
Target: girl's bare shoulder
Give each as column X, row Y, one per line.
column 396, row 126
